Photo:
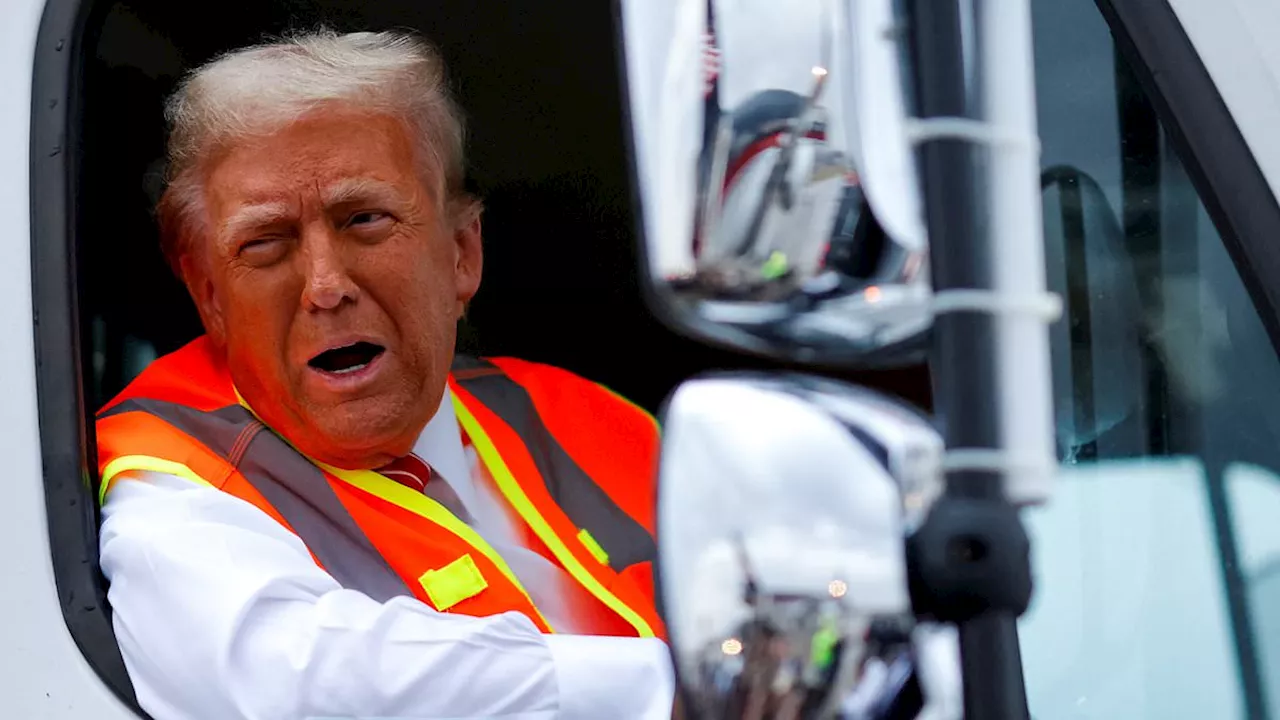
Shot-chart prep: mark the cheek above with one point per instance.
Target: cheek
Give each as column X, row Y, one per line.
column 415, row 288
column 258, row 307
column 417, row 299
column 420, row 267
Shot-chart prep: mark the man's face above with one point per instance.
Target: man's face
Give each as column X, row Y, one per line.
column 333, row 278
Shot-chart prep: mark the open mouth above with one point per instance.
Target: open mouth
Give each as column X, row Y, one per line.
column 347, row 359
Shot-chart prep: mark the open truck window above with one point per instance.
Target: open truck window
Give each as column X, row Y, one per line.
column 1156, row 560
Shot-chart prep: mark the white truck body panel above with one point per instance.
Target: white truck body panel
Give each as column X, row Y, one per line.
column 44, row 675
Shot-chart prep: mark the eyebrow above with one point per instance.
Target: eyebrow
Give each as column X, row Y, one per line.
column 253, row 216
column 250, row 217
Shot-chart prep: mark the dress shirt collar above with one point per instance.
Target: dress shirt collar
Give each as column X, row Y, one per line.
column 440, row 446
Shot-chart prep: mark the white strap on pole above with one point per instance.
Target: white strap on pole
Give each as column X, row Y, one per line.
column 1046, row 308
column 919, row 130
column 1010, row 464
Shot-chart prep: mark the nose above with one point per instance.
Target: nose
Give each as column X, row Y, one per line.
column 328, row 282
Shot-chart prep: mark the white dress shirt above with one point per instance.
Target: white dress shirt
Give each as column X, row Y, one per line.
column 223, row 614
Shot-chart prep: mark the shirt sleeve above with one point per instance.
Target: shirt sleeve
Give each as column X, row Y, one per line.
column 221, row 613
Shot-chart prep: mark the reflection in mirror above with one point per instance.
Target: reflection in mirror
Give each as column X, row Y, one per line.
column 772, row 157
column 783, row 506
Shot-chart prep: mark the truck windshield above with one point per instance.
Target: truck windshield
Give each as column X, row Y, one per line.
column 1158, row 561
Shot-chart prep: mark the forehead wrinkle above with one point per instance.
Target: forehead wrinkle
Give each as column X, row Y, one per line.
column 350, row 189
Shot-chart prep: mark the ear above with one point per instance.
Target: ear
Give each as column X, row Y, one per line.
column 205, row 298
column 469, row 259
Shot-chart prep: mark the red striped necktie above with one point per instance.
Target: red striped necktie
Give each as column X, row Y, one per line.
column 414, row 473
column 410, row 471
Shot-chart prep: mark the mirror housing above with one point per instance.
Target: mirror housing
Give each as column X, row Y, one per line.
column 783, row 506
column 781, row 213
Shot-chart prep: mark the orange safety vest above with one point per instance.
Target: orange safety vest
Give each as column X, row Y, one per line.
column 575, row 461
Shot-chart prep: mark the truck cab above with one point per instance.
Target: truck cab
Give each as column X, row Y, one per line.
column 1157, row 561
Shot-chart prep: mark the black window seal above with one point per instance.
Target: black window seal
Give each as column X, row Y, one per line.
column 66, row 443
column 1244, row 210
column 1218, row 160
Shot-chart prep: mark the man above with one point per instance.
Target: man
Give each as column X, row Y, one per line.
column 315, row 509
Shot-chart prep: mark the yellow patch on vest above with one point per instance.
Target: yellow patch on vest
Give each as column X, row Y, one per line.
column 453, row 583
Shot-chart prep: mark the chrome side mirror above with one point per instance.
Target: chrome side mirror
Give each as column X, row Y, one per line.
column 784, row 502
column 781, row 209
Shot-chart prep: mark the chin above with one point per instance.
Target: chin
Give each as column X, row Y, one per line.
column 367, row 440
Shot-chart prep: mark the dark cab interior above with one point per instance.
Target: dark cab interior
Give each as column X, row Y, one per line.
column 540, row 84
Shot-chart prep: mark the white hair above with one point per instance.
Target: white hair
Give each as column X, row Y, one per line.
column 260, row 89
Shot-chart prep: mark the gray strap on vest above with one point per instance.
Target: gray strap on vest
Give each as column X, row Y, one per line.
column 297, row 490
column 585, row 503
column 302, row 495
column 439, row 489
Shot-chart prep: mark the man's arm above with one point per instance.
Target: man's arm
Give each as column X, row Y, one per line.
column 222, row 613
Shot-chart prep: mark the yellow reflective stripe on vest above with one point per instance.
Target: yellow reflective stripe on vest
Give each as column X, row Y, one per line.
column 415, row 502
column 515, row 495
column 146, row 463
column 419, row 504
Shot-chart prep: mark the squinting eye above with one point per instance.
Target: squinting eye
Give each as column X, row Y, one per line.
column 263, row 251
column 364, row 218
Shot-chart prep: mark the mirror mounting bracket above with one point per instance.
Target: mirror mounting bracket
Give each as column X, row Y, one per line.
column 970, row 556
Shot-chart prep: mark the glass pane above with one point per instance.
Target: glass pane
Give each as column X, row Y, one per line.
column 1157, row 570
